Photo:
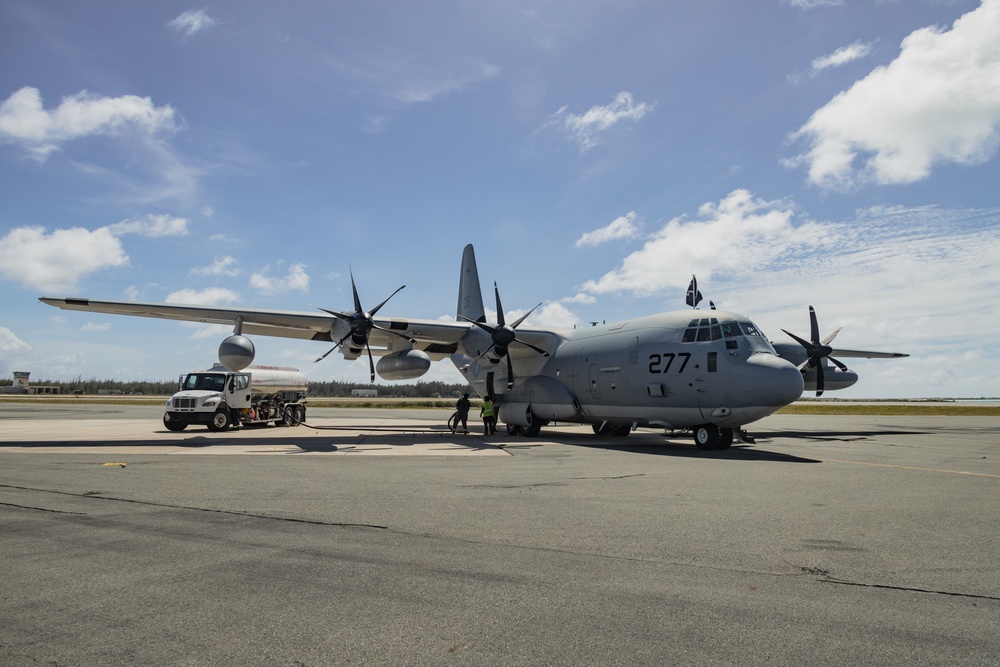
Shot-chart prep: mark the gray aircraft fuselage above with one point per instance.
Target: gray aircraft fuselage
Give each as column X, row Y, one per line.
column 672, row 370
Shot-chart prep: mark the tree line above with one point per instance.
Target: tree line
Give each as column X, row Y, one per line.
column 330, row 389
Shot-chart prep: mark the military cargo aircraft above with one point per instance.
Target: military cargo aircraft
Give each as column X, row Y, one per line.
column 707, row 372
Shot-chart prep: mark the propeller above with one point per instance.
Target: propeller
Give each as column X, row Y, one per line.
column 816, row 351
column 361, row 324
column 504, row 336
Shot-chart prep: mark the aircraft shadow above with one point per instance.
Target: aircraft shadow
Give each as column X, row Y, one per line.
column 734, row 453
column 845, row 435
column 297, row 444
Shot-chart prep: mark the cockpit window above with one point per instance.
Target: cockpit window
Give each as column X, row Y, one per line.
column 708, row 328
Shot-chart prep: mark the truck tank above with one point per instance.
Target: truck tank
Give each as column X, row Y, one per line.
column 266, row 380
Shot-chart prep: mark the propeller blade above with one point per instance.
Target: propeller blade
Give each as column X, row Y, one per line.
column 394, row 333
column 485, row 327
column 813, row 326
column 496, row 291
column 523, row 318
column 341, row 316
column 339, row 343
column 838, row 364
column 510, row 372
column 325, row 355
column 376, row 308
column 533, row 347
column 473, row 362
column 371, row 362
column 801, row 341
column 354, row 288
column 829, row 339
column 820, row 380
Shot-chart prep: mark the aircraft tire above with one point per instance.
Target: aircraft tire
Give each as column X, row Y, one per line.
column 601, row 429
column 533, row 429
column 707, row 437
column 725, row 438
column 619, row 430
column 220, row 420
column 513, row 429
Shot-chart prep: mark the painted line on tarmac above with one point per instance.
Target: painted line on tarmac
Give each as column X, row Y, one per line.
column 896, row 465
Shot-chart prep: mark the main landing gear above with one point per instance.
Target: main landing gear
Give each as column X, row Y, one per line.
column 711, row 437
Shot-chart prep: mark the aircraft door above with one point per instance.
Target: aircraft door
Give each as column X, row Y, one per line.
column 711, row 383
column 595, row 377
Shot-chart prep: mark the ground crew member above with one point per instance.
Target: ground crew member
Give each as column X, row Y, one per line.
column 489, row 421
column 463, row 406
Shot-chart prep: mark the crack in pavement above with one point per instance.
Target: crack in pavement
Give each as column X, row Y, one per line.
column 92, row 495
column 826, row 578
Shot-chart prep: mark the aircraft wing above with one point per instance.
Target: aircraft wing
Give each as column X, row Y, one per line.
column 438, row 338
column 863, row 354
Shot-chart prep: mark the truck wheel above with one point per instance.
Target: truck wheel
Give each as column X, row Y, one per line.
column 173, row 425
column 299, row 414
column 220, row 420
column 287, row 419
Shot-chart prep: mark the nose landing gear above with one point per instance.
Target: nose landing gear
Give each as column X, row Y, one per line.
column 710, row 437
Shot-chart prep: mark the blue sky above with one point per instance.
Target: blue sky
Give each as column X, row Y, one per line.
column 839, row 153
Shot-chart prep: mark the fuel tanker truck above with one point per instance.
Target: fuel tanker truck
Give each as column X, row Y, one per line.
column 221, row 399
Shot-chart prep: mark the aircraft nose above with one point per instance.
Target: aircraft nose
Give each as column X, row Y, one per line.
column 766, row 380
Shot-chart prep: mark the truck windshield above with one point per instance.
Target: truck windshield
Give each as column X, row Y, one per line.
column 206, row 381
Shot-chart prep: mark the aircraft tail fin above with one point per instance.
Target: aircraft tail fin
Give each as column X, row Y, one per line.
column 470, row 297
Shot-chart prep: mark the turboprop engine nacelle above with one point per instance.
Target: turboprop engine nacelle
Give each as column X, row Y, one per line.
column 833, row 378
column 404, row 365
column 236, row 353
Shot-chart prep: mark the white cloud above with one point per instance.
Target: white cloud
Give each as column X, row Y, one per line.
column 581, row 297
column 9, row 341
column 153, row 226
column 552, row 314
column 842, row 56
column 55, row 262
column 586, row 129
column 938, row 102
column 296, row 280
column 220, row 266
column 210, row 296
column 623, row 227
column 192, row 21
column 740, row 233
column 812, row 4
column 92, row 326
column 423, row 84
column 24, row 121
column 209, row 331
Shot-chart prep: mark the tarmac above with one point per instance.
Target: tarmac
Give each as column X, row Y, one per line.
column 379, row 537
